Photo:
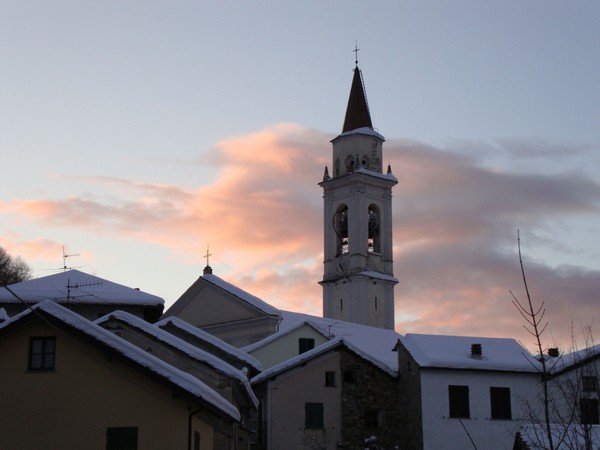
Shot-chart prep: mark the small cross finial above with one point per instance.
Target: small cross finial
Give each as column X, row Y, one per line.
column 207, row 256
column 356, row 49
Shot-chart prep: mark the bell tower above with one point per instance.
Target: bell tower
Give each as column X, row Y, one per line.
column 358, row 280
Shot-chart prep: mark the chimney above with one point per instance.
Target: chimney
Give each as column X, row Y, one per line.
column 476, row 351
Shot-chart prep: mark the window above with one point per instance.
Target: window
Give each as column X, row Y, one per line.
column 340, row 226
column 588, row 408
column 305, row 344
column 589, row 383
column 458, row 399
column 313, row 415
column 374, row 243
column 330, row 379
column 121, row 438
column 372, row 419
column 500, row 403
column 349, row 376
column 42, row 352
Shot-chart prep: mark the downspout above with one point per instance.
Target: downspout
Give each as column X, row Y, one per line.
column 189, row 428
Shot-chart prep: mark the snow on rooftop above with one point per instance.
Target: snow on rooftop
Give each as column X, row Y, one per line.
column 378, row 343
column 211, row 339
column 454, row 352
column 567, row 360
column 73, row 286
column 182, row 379
column 190, row 350
column 363, row 130
column 319, row 350
column 377, row 275
column 284, row 332
column 247, row 297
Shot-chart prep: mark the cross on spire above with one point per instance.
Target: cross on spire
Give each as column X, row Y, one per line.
column 356, row 49
column 207, row 256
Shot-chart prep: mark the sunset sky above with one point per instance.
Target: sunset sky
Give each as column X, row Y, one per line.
column 136, row 133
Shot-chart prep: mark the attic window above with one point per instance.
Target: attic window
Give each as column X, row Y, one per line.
column 305, row 344
column 42, row 353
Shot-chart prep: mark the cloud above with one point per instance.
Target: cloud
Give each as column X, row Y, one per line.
column 456, row 218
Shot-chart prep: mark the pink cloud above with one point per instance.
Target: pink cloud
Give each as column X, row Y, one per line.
column 455, row 224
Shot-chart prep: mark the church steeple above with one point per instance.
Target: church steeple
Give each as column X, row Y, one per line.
column 358, row 280
column 357, row 111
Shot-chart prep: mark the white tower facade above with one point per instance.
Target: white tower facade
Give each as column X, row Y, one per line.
column 358, row 280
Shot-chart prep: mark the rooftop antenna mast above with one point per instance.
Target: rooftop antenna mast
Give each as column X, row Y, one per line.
column 65, row 256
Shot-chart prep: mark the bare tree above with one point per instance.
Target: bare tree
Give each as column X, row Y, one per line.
column 566, row 382
column 13, row 269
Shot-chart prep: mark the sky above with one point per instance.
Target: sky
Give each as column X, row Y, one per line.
column 136, row 134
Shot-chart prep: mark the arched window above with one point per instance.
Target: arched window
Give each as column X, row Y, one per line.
column 374, row 224
column 340, row 225
column 337, row 167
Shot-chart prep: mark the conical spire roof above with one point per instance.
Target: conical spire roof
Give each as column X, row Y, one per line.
column 357, row 112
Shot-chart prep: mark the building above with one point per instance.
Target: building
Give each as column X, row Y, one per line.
column 229, row 382
column 225, row 311
column 87, row 295
column 68, row 383
column 465, row 392
column 358, row 280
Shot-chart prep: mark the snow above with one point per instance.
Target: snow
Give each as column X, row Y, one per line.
column 363, row 130
column 378, row 343
column 280, row 334
column 377, row 275
column 566, row 361
column 213, row 340
column 183, row 346
column 240, row 293
column 386, row 176
column 439, row 351
column 321, row 349
column 73, row 286
column 181, row 379
column 3, row 315
column 534, row 435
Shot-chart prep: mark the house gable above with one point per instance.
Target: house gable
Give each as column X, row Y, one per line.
column 225, row 311
column 96, row 371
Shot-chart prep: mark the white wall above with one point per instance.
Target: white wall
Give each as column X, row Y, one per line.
column 442, row 432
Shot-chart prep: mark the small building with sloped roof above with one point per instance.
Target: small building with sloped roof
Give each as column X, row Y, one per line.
column 87, row 295
column 225, row 310
column 68, row 383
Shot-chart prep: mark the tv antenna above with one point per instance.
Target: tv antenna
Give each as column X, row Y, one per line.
column 65, row 256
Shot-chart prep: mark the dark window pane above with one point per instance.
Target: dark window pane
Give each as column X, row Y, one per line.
column 500, row 403
column 589, row 411
column 42, row 353
column 305, row 344
column 121, row 438
column 313, row 415
column 458, row 399
column 589, row 383
column 330, row 379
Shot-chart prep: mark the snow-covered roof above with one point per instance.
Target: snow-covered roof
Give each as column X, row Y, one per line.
column 454, row 352
column 378, row 343
column 211, row 339
column 190, row 350
column 75, row 287
column 571, row 360
column 377, row 275
column 181, row 379
column 243, row 295
column 363, row 130
column 317, row 351
column 282, row 333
